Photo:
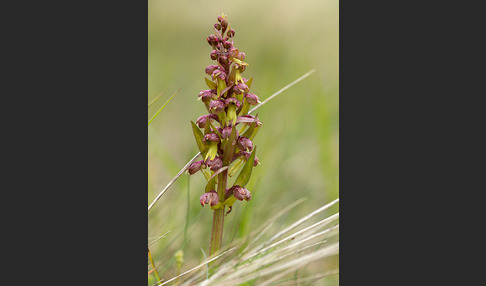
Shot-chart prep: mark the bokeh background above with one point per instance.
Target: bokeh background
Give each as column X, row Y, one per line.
column 298, row 144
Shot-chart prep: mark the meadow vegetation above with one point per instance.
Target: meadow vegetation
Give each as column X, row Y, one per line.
column 297, row 144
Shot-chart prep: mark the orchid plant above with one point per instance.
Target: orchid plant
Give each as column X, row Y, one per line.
column 225, row 135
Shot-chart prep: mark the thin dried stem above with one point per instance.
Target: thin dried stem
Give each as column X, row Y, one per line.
column 173, row 180
column 153, row 265
column 197, row 267
column 302, row 220
column 282, row 90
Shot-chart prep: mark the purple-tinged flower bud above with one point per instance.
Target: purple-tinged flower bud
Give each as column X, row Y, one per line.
column 227, row 44
column 212, row 39
column 217, row 26
column 219, row 73
column 240, row 88
column 201, row 121
column 220, row 19
column 218, row 46
column 248, row 119
column 219, row 129
column 233, row 101
column 210, row 197
column 247, row 195
column 241, row 56
column 195, row 167
column 252, row 98
column 231, row 33
column 224, row 25
column 215, row 164
column 211, row 137
column 245, row 155
column 241, row 193
column 207, row 95
column 223, row 60
column 227, row 132
column 214, row 55
column 244, row 143
column 211, row 68
column 216, row 106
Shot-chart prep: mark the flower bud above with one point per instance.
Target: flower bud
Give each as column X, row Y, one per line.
column 223, row 60
column 248, row 119
column 244, row 143
column 240, row 88
column 211, row 137
column 231, row 33
column 233, row 101
column 210, row 197
column 216, row 106
column 220, row 19
column 252, row 98
column 219, row 73
column 233, row 52
column 215, row 164
column 195, row 167
column 227, row 44
column 227, row 132
column 214, row 55
column 241, row 193
column 217, row 26
column 241, row 56
column 246, row 155
column 224, row 25
column 212, row 39
column 201, row 121
column 207, row 95
column 211, row 68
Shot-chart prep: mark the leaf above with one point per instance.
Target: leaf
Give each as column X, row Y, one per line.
column 211, row 185
column 248, row 83
column 244, row 109
column 212, row 181
column 199, row 138
column 226, row 89
column 249, row 131
column 210, row 84
column 235, row 167
column 230, row 147
column 230, row 201
column 245, row 173
column 221, row 86
column 218, row 206
column 254, row 133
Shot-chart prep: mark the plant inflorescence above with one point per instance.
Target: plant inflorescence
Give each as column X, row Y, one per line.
column 225, row 135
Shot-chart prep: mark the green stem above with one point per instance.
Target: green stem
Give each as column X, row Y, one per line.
column 218, row 216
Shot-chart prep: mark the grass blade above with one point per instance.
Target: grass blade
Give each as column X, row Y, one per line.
column 282, row 90
column 155, row 99
column 160, row 109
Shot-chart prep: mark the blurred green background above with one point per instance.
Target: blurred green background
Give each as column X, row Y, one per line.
column 298, row 144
